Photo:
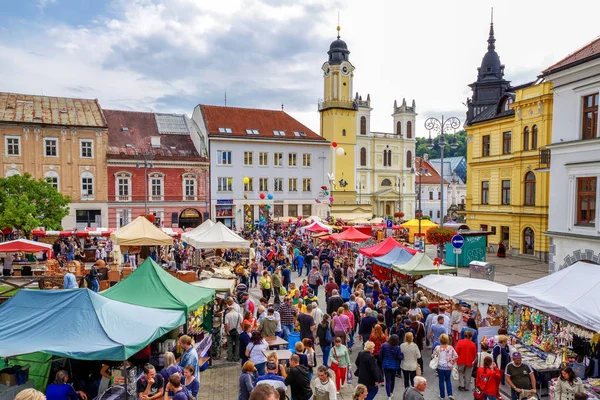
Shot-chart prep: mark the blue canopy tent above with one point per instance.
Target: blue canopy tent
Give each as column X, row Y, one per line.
column 80, row 324
column 382, row 266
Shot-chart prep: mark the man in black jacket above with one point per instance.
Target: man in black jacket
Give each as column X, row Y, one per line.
column 334, row 302
column 368, row 372
column 298, row 380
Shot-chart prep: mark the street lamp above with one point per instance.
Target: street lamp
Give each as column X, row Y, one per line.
column 145, row 160
column 419, row 215
column 442, row 128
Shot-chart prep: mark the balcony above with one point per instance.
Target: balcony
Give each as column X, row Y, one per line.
column 190, row 198
column 123, row 198
column 325, row 105
column 155, row 198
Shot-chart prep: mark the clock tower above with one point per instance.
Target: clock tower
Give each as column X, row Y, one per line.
column 338, row 121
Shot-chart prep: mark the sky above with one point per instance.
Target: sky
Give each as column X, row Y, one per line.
column 170, row 55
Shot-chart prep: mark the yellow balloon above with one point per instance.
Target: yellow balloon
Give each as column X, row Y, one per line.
column 246, row 180
column 229, row 181
column 249, row 214
column 245, row 196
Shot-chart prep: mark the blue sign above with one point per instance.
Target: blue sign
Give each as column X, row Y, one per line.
column 457, row 241
column 390, row 224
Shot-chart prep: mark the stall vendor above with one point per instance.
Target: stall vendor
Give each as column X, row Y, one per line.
column 61, row 390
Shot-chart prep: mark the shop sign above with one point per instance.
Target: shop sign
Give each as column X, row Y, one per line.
column 224, row 201
column 190, row 213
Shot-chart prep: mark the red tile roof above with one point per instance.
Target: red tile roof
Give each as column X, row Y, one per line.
column 265, row 121
column 590, row 50
column 429, row 177
column 135, row 129
column 65, row 111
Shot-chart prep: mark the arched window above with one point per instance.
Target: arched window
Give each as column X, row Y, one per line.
column 343, row 132
column 530, row 189
column 363, row 125
column 386, row 182
column 534, row 137
column 399, row 128
column 409, row 159
column 52, row 179
column 409, row 130
column 363, row 157
column 526, row 138
column 87, row 186
column 12, row 172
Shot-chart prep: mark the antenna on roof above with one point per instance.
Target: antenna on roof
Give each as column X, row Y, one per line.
column 226, row 95
column 281, row 106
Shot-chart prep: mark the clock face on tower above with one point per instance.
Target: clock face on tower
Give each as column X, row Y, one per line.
column 345, row 70
column 326, row 70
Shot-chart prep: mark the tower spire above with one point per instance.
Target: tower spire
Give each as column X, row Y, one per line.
column 338, row 25
column 492, row 40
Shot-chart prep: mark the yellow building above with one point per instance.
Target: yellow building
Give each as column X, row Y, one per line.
column 63, row 140
column 507, row 186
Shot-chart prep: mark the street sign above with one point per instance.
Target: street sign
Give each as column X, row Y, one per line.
column 457, row 251
column 457, row 241
column 390, row 224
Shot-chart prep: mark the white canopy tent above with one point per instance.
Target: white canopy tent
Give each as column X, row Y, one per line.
column 317, row 224
column 572, row 294
column 466, row 289
column 197, row 231
column 219, row 284
column 219, row 237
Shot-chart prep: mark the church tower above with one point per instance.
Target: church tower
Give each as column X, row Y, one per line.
column 338, row 120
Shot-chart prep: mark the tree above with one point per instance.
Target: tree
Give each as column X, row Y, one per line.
column 461, row 150
column 26, row 203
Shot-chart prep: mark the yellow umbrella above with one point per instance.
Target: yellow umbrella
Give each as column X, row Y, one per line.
column 413, row 227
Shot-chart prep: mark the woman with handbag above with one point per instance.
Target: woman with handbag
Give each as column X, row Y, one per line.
column 340, row 359
column 487, row 381
column 325, row 337
column 411, row 355
column 446, row 359
column 341, row 324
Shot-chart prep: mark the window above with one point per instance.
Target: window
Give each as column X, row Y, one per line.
column 438, row 213
column 409, row 130
column 363, row 125
column 249, row 187
column 505, row 233
column 12, row 172
column 505, row 192
column 278, row 210
column 343, row 132
column 263, row 184
column 439, row 195
column 13, row 146
column 430, row 195
column 123, row 188
column 278, row 159
column 389, row 160
column 506, row 142
column 299, row 134
column 485, row 146
column 292, row 162
column 189, row 188
column 279, row 133
column 306, row 160
column 306, row 185
column 431, row 213
column 306, row 210
column 485, row 192
column 409, row 159
column 293, row 209
column 493, row 230
column 386, row 182
column 52, row 179
column 590, row 117
column 87, row 186
column 223, row 157
column 292, row 185
column 156, row 188
column 530, row 189
column 507, row 103
column 526, row 138
column 534, row 137
column 363, row 157
column 399, row 128
column 123, row 217
column 387, row 157
column 263, row 159
column 252, row 131
column 483, row 227
column 586, row 201
column 225, row 130
column 86, row 148
column 248, row 158
column 51, row 147
column 278, row 184
column 224, row 185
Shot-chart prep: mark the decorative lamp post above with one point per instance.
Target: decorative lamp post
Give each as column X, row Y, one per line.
column 419, row 213
column 442, row 126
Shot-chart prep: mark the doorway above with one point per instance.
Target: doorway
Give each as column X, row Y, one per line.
column 528, row 241
column 189, row 218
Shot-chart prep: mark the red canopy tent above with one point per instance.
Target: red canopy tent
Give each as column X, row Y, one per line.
column 317, row 228
column 351, row 235
column 26, row 246
column 384, row 247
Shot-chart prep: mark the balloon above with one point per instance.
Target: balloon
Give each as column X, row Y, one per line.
column 340, row 151
column 299, row 217
column 270, row 196
column 229, row 181
column 246, row 180
column 245, row 196
column 290, row 220
column 249, row 214
column 262, row 196
column 268, row 206
column 334, row 144
column 331, row 199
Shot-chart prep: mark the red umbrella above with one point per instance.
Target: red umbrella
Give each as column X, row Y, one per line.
column 351, row 235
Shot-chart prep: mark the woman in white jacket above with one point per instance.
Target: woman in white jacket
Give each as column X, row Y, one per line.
column 567, row 385
column 409, row 363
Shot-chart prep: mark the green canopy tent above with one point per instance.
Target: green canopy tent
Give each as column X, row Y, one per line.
column 151, row 286
column 422, row 264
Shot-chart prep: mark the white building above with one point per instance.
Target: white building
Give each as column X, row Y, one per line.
column 281, row 158
column 574, row 224
column 455, row 172
column 428, row 180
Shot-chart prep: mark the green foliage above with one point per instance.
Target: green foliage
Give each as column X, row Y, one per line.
column 26, row 203
column 461, row 150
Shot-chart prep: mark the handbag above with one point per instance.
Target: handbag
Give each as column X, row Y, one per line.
column 455, row 373
column 433, row 364
column 478, row 394
column 349, row 375
column 328, row 335
column 419, row 372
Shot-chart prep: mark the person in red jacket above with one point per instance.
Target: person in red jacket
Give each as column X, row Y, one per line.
column 467, row 351
column 488, row 379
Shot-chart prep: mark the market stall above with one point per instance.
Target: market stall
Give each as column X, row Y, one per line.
column 198, row 231
column 413, row 228
column 219, row 237
column 421, row 264
column 351, row 235
column 382, row 266
column 384, row 247
column 140, row 232
column 556, row 319
column 316, row 226
column 219, row 285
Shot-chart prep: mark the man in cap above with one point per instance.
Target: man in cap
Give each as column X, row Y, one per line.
column 271, row 378
column 519, row 377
